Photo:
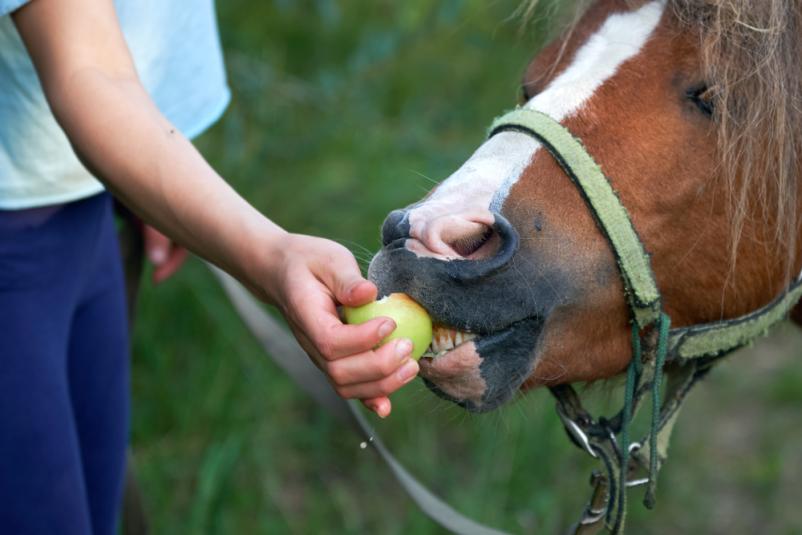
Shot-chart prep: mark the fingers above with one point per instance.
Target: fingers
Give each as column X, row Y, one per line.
column 383, row 387
column 157, row 245
column 370, row 365
column 311, row 297
column 381, row 406
column 315, row 314
column 164, row 254
column 313, row 279
column 380, row 372
column 366, row 366
column 339, row 340
column 173, row 263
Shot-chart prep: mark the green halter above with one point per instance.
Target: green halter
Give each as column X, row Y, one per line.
column 692, row 351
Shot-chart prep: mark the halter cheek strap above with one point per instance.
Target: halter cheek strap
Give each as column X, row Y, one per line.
column 692, row 350
column 610, row 214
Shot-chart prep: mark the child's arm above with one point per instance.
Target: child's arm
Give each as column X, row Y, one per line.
column 93, row 89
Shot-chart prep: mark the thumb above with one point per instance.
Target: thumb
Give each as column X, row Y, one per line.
column 359, row 292
column 342, row 276
column 353, row 290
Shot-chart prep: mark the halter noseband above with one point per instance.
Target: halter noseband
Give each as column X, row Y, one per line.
column 692, row 350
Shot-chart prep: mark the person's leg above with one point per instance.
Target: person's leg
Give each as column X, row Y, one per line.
column 98, row 377
column 41, row 478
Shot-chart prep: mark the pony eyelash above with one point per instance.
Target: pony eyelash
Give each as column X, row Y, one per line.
column 703, row 96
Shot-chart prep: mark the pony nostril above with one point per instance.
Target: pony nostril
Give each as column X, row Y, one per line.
column 395, row 227
column 482, row 241
column 493, row 249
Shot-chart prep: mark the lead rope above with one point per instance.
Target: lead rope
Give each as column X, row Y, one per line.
column 634, row 376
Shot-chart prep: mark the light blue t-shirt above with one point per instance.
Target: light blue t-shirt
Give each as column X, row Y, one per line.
column 177, row 53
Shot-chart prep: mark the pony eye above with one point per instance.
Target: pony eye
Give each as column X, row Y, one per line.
column 702, row 96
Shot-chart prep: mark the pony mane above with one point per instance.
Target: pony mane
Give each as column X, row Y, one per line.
column 751, row 54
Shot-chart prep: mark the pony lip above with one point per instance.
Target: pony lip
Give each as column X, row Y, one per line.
column 472, row 375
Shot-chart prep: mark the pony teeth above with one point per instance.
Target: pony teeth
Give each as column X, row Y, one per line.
column 445, row 339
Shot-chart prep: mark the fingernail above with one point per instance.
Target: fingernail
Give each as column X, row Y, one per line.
column 352, row 288
column 386, row 328
column 403, row 348
column 408, row 371
column 383, row 410
column 349, row 290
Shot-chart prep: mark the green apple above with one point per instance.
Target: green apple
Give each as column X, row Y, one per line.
column 412, row 321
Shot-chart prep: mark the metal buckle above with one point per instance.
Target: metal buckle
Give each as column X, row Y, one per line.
column 576, row 432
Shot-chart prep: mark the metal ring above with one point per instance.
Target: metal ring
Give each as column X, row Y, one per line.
column 577, row 432
column 580, row 435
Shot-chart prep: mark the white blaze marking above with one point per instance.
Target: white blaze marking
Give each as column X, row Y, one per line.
column 484, row 181
column 620, row 38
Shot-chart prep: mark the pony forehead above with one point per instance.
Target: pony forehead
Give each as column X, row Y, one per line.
column 619, row 39
column 486, row 178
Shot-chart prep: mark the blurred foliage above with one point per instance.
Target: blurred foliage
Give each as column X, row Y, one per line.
column 343, row 111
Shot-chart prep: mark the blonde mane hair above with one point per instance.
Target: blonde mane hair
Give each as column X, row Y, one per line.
column 751, row 53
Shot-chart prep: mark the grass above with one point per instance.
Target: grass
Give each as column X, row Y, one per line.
column 343, row 111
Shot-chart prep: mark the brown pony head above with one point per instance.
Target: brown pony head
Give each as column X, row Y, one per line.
column 505, row 253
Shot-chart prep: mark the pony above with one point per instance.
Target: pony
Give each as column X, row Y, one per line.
column 693, row 111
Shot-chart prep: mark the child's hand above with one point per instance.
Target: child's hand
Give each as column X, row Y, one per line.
column 312, row 276
column 166, row 256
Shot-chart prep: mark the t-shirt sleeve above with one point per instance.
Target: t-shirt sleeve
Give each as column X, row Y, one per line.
column 7, row 6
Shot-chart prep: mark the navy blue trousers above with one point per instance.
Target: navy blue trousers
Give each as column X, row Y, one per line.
column 63, row 370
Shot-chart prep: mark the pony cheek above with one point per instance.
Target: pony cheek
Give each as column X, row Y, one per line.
column 585, row 341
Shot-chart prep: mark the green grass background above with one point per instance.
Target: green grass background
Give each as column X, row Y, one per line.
column 343, row 111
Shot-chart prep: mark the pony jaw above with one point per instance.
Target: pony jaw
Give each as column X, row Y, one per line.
column 473, row 370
